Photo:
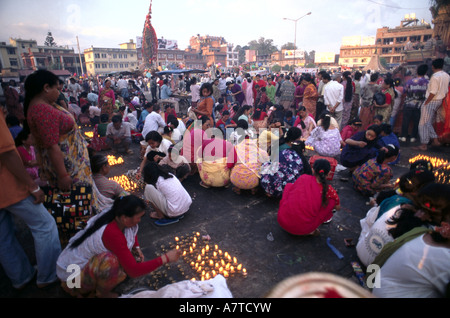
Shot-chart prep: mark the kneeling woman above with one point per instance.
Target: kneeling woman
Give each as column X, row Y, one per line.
column 291, row 165
column 374, row 175
column 107, row 251
column 166, row 194
column 308, row 202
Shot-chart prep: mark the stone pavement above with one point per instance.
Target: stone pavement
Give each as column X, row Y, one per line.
column 246, row 227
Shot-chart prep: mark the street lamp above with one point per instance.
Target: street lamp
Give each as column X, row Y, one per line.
column 295, row 40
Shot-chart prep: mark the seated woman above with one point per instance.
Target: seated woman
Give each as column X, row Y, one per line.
column 309, row 202
column 325, row 139
column 260, row 118
column 290, row 166
column 245, row 174
column 108, row 251
column 376, row 226
column 361, row 147
column 351, row 129
column 193, row 140
column 375, row 174
column 108, row 188
column 415, row 265
column 166, row 194
column 215, row 163
column 305, row 122
column 387, row 137
column 157, row 144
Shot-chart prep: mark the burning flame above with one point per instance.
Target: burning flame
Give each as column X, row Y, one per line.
column 113, row 161
column 89, row 134
column 441, row 167
column 125, row 183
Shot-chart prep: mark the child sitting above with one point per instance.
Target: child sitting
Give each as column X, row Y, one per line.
column 387, row 137
column 166, row 194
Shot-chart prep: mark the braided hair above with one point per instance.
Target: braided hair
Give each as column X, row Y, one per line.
column 322, row 168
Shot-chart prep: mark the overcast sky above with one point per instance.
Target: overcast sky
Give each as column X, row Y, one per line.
column 102, row 23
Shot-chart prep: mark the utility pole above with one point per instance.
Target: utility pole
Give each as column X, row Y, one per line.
column 79, row 54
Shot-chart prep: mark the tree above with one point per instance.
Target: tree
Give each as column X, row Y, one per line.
column 263, row 46
column 289, row 46
column 49, row 40
column 276, row 68
column 241, row 51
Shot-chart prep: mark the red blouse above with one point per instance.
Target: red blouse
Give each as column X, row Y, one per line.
column 115, row 241
column 47, row 124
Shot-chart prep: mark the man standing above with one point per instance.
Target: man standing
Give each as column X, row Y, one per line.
column 223, row 84
column 22, row 197
column 287, row 90
column 333, row 93
column 436, row 92
column 415, row 91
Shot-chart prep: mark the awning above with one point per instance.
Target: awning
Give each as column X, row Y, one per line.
column 180, row 72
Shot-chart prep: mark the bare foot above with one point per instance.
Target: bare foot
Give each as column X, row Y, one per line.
column 154, row 215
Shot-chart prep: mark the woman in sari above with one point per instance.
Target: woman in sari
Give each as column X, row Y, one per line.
column 108, row 251
column 216, row 161
column 288, row 168
column 249, row 91
column 310, row 95
column 309, row 202
column 60, row 147
column 107, row 100
column 305, row 122
column 246, row 172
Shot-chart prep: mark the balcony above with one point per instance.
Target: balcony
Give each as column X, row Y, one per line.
column 419, row 55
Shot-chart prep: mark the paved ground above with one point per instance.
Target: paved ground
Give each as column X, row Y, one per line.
column 246, row 227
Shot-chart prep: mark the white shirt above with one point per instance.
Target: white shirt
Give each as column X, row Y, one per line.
column 438, row 85
column 178, row 199
column 415, row 270
column 195, row 93
column 163, row 147
column 333, row 93
column 94, row 111
column 153, row 122
column 122, row 84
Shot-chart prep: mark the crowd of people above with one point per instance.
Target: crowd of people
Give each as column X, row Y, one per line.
column 250, row 133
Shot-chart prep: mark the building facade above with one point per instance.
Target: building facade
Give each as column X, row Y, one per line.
column 103, row 61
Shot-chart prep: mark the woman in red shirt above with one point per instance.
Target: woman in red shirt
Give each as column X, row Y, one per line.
column 108, row 251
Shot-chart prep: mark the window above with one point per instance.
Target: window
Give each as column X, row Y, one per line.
column 179, row 57
column 121, row 65
column 120, row 56
column 13, row 62
column 97, row 55
column 104, row 65
column 104, row 56
column 125, row 56
column 355, row 60
column 97, row 65
column 11, row 51
column 114, row 56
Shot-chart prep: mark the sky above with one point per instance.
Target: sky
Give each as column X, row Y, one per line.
column 108, row 23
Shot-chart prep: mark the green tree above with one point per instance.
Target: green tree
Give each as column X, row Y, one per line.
column 289, row 46
column 276, row 68
column 263, row 46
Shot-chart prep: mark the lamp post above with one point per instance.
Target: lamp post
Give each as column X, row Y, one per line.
column 295, row 40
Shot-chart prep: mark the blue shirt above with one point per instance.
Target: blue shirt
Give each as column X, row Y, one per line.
column 166, row 92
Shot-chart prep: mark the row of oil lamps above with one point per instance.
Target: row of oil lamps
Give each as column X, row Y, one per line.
column 125, row 183
column 441, row 167
column 206, row 260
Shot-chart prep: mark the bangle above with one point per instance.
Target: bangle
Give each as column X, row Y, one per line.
column 36, row 191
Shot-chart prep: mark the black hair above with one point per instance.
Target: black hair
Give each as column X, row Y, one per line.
column 438, row 63
column 171, row 119
column 422, row 69
column 21, row 136
column 154, row 135
column 117, row 119
column 404, row 220
column 104, row 118
column 207, row 86
column 349, row 87
column 293, row 134
column 97, row 163
column 390, row 82
column 152, row 154
column 12, row 120
column 242, row 123
column 322, row 168
column 386, row 128
column 326, row 76
column 325, row 121
column 168, row 130
column 415, row 179
column 34, row 85
column 128, row 206
column 241, row 111
column 374, row 77
column 358, row 75
column 375, row 128
column 422, row 164
column 152, row 171
column 299, row 147
column 392, row 152
column 225, row 113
